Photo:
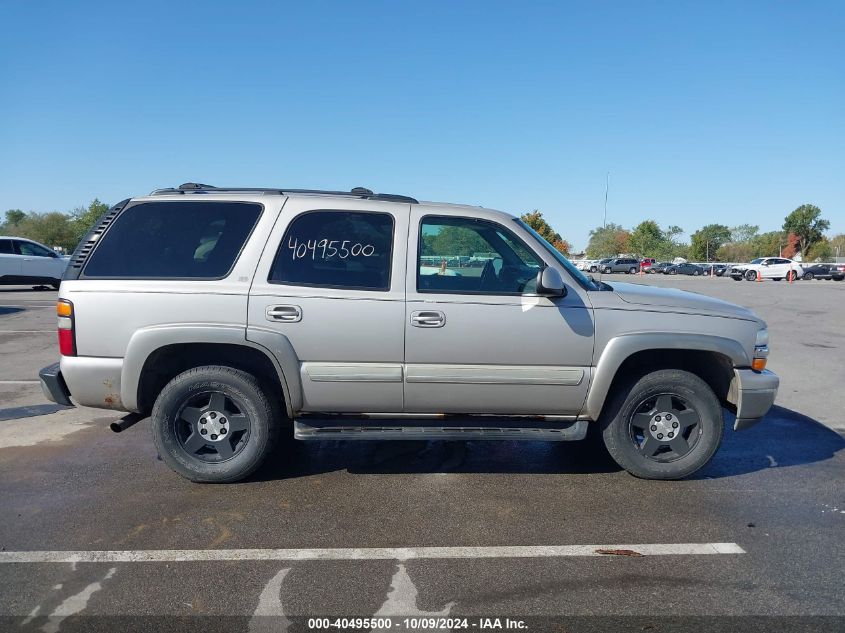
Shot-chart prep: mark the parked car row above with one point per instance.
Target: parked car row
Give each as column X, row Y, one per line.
column 776, row 268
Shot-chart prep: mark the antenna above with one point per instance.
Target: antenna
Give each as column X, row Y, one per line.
column 604, row 224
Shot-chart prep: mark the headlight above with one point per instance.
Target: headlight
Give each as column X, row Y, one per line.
column 762, row 338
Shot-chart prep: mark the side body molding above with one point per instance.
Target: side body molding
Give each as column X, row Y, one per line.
column 146, row 340
column 621, row 347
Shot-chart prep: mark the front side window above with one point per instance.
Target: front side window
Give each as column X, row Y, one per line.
column 32, row 250
column 469, row 256
column 336, row 249
column 175, row 240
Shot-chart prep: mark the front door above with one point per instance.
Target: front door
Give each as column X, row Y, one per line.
column 478, row 339
column 331, row 282
column 37, row 262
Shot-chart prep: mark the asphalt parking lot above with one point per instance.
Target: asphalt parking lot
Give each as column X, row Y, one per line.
column 94, row 528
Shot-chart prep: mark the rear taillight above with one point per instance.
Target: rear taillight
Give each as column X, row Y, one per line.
column 67, row 337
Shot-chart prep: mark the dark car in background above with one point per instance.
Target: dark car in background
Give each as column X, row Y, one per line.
column 684, row 269
column 825, row 271
column 658, row 267
column 715, row 269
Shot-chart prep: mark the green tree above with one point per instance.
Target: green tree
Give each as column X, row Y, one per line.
column 83, row 218
column 14, row 217
column 537, row 222
column 821, row 251
column 608, row 241
column 769, row 244
column 837, row 245
column 51, row 229
column 806, row 223
column 707, row 240
column 648, row 239
column 736, row 252
column 744, row 233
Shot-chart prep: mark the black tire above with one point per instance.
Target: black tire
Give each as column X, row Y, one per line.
column 736, row 277
column 751, row 275
column 792, row 275
column 179, row 415
column 807, row 276
column 594, row 269
column 696, row 273
column 688, row 400
column 607, row 271
column 632, row 271
column 673, row 272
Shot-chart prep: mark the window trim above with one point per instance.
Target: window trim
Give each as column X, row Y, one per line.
column 335, row 287
column 132, row 205
column 475, row 293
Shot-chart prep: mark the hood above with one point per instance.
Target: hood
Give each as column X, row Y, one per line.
column 682, row 300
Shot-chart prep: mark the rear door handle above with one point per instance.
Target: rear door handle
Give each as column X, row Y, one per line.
column 286, row 314
column 428, row 318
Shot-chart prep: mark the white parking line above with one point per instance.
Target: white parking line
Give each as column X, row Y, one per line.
column 20, row 382
column 366, row 553
column 53, row 331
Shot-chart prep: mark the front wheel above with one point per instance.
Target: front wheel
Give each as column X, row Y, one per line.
column 594, row 269
column 607, row 271
column 792, row 275
column 666, row 425
column 808, row 276
column 214, row 424
column 696, row 273
column 751, row 275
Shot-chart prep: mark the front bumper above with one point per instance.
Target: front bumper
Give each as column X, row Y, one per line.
column 54, row 386
column 753, row 394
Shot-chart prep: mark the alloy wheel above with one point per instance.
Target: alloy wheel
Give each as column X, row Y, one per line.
column 664, row 428
column 211, row 426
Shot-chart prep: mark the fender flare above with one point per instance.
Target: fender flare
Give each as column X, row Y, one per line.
column 147, row 340
column 622, row 347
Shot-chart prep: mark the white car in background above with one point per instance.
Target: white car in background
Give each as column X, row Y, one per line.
column 24, row 262
column 776, row 268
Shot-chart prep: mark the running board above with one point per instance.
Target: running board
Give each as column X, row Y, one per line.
column 465, row 429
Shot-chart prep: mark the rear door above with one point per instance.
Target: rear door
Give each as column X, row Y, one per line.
column 10, row 262
column 37, row 262
column 478, row 338
column 331, row 281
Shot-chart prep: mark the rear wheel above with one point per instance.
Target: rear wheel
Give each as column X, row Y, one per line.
column 607, row 271
column 696, row 273
column 665, row 425
column 214, row 424
column 632, row 271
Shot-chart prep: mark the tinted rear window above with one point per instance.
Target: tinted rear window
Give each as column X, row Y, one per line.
column 182, row 240
column 6, row 247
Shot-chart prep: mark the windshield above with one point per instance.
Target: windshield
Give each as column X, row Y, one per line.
column 580, row 277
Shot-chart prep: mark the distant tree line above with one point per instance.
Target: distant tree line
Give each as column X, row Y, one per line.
column 802, row 232
column 53, row 229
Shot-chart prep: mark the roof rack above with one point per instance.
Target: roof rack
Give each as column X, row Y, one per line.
column 357, row 192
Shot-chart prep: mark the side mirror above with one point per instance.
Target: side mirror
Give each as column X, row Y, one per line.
column 550, row 283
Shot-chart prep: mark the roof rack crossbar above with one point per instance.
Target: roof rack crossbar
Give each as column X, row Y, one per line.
column 357, row 192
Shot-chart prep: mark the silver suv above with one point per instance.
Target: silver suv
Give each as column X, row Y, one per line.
column 231, row 316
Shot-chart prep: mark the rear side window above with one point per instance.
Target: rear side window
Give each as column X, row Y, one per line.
column 176, row 240
column 6, row 247
column 336, row 249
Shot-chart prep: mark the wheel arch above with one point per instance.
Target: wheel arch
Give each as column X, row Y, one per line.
column 155, row 355
column 712, row 358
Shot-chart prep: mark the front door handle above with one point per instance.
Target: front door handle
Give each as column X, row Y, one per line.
column 286, row 314
column 428, row 318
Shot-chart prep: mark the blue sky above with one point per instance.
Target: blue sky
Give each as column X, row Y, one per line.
column 703, row 112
